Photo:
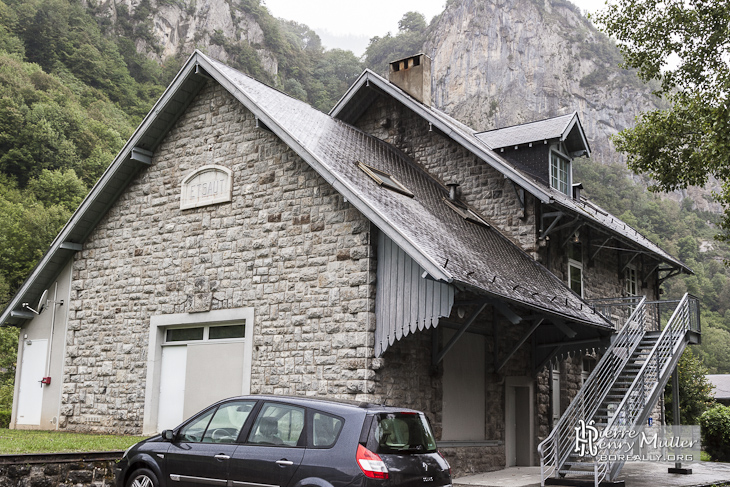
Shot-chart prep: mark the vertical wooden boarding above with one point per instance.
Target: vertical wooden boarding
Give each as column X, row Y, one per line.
column 405, row 301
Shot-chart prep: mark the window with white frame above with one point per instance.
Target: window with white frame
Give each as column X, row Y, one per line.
column 560, row 177
column 589, row 363
column 575, row 268
column 555, row 392
column 631, row 282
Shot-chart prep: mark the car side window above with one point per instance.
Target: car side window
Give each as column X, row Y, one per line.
column 278, row 425
column 193, row 431
column 219, row 425
column 326, row 429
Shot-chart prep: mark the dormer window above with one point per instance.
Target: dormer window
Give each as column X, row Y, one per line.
column 560, row 174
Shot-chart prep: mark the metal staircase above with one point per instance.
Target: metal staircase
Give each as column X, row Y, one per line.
column 623, row 389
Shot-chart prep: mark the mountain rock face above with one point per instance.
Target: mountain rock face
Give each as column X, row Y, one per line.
column 497, row 63
column 179, row 27
column 503, row 62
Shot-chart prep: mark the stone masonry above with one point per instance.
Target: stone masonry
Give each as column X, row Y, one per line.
column 287, row 244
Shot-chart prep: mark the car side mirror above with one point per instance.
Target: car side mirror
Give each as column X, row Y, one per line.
column 168, row 435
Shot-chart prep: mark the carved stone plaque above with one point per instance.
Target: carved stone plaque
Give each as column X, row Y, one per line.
column 207, row 185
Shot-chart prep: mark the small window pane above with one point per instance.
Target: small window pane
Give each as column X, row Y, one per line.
column 229, row 331
column 576, row 252
column 228, row 421
column 278, row 424
column 559, row 173
column 326, row 430
column 193, row 432
column 184, row 334
column 576, row 279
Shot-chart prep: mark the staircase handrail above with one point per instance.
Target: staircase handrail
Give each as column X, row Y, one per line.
column 552, row 449
column 654, row 367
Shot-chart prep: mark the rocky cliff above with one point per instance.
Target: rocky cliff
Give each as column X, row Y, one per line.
column 177, row 27
column 502, row 62
column 497, row 63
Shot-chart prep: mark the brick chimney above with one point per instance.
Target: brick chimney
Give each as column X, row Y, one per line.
column 413, row 75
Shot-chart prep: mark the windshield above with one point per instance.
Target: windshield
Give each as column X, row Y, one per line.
column 401, row 433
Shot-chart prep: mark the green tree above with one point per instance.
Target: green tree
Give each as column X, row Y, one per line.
column 8, row 364
column 684, row 45
column 411, row 36
column 715, row 424
column 60, row 187
column 695, row 391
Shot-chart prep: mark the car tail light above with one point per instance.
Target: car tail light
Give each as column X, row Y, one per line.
column 370, row 463
column 445, row 460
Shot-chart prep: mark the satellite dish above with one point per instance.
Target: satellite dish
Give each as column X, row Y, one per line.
column 42, row 302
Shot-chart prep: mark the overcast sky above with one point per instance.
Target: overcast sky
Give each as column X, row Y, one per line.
column 362, row 19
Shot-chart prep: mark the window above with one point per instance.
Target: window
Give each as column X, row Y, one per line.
column 204, row 333
column 326, row 430
column 384, row 179
column 401, row 433
column 278, row 425
column 589, row 364
column 560, row 173
column 575, row 268
column 218, row 425
column 555, row 392
column 631, row 287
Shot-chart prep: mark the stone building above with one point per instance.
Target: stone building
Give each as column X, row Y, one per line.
column 244, row 242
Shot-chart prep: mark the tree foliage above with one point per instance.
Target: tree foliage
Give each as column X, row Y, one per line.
column 682, row 231
column 411, row 36
column 685, row 46
column 715, row 426
column 695, row 391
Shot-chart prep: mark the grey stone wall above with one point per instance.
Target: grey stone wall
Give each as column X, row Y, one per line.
column 288, row 245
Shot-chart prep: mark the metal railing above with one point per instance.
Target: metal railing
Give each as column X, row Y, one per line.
column 649, row 382
column 675, row 318
column 559, row 444
column 618, row 310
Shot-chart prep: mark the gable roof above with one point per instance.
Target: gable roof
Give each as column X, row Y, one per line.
column 448, row 247
column 370, row 85
column 566, row 128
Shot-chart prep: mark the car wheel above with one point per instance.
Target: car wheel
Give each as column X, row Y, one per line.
column 143, row 478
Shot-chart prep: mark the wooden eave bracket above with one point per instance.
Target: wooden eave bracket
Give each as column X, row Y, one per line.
column 671, row 272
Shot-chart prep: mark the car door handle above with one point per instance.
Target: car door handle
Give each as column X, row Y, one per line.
column 222, row 457
column 284, row 463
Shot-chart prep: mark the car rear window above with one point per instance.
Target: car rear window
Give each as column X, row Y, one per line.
column 401, row 433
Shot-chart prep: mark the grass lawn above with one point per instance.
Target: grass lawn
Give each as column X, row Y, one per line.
column 14, row 442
